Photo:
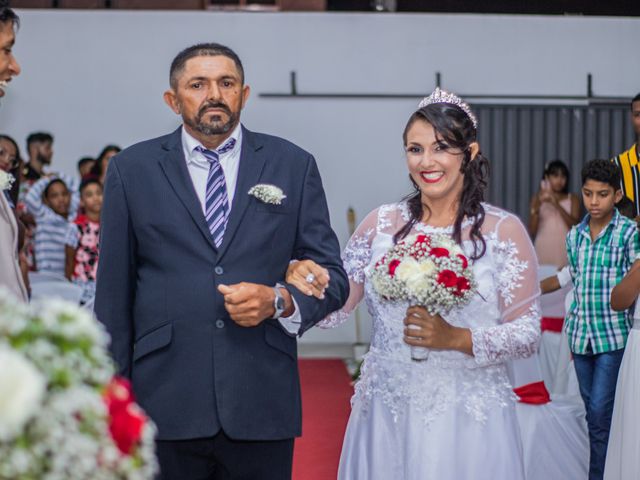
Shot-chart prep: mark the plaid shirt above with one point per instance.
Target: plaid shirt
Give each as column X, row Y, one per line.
column 596, row 267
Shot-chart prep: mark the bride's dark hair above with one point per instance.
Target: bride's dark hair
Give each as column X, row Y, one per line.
column 455, row 129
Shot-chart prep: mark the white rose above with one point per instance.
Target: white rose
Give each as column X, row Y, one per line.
column 22, row 387
column 414, row 274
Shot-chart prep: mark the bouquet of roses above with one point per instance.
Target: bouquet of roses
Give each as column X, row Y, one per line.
column 429, row 271
column 62, row 414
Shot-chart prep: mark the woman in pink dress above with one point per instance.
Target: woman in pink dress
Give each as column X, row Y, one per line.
column 553, row 212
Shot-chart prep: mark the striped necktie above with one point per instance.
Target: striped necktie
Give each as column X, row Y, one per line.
column 216, row 198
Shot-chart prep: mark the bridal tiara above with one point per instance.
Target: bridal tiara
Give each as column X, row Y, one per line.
column 442, row 96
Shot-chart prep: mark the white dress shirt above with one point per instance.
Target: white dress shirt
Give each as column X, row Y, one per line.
column 198, row 167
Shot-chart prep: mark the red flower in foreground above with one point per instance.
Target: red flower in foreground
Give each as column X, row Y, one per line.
column 126, row 419
column 393, row 264
column 447, row 278
column 462, row 285
column 422, row 239
column 463, row 259
column 439, row 252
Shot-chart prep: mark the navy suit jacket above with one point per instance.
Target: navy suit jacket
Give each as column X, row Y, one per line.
column 193, row 369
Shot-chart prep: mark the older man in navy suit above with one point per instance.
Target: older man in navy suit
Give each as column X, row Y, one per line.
column 198, row 229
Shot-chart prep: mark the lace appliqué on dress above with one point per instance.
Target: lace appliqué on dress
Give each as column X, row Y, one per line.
column 357, row 254
column 430, row 390
column 383, row 221
column 512, row 340
column 509, row 267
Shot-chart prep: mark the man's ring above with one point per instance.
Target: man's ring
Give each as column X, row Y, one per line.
column 310, row 278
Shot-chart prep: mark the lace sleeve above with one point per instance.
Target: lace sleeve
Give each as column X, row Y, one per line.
column 355, row 258
column 518, row 334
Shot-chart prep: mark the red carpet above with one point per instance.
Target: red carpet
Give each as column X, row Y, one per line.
column 326, row 391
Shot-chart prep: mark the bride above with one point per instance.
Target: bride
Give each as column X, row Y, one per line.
column 451, row 416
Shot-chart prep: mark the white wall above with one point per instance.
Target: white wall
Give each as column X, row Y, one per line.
column 93, row 78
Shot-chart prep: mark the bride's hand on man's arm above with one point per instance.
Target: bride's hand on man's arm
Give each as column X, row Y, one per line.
column 299, row 274
column 435, row 332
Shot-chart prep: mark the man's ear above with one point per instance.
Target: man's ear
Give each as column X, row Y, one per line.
column 246, row 90
column 171, row 99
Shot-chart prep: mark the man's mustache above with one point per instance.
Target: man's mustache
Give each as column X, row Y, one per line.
column 206, row 106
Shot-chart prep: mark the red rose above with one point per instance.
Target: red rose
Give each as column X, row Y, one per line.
column 126, row 419
column 463, row 259
column 447, row 278
column 439, row 252
column 421, row 239
column 462, row 285
column 393, row 264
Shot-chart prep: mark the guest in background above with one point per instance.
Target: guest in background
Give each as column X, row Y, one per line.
column 629, row 161
column 40, row 152
column 553, row 212
column 82, row 243
column 10, row 162
column 85, row 165
column 52, row 201
column 99, row 170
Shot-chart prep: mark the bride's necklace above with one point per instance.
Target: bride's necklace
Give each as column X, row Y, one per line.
column 445, row 221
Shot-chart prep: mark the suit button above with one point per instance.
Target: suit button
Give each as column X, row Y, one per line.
column 219, row 270
column 220, row 323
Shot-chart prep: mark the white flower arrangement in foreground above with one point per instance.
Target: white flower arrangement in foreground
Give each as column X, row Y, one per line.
column 62, row 415
column 267, row 193
column 6, row 180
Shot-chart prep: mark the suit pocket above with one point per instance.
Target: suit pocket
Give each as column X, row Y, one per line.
column 278, row 339
column 282, row 209
column 151, row 341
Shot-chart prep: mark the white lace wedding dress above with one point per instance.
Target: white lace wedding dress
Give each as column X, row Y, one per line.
column 452, row 416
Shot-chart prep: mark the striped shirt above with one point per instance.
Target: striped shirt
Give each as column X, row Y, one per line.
column 629, row 163
column 596, row 267
column 52, row 230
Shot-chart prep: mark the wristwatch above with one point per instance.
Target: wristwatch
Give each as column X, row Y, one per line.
column 278, row 301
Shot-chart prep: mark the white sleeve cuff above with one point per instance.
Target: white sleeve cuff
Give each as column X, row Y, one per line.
column 564, row 276
column 292, row 323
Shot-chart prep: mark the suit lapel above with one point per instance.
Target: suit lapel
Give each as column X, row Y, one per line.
column 174, row 166
column 249, row 172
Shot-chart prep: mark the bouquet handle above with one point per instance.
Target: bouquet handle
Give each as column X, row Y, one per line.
column 418, row 354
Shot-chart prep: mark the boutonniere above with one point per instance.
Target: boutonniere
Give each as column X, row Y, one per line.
column 268, row 193
column 6, row 180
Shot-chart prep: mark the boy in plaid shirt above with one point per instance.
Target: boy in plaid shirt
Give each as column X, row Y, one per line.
column 601, row 250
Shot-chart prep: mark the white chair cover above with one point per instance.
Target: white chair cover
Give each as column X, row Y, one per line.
column 554, row 435
column 552, row 306
column 39, row 277
column 565, row 381
column 59, row 288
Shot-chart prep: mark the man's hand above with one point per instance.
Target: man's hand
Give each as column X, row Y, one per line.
column 249, row 304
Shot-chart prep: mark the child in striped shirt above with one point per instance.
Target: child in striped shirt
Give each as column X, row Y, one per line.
column 53, row 201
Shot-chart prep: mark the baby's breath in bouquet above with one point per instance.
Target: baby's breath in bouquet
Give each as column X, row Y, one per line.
column 428, row 271
column 62, row 414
